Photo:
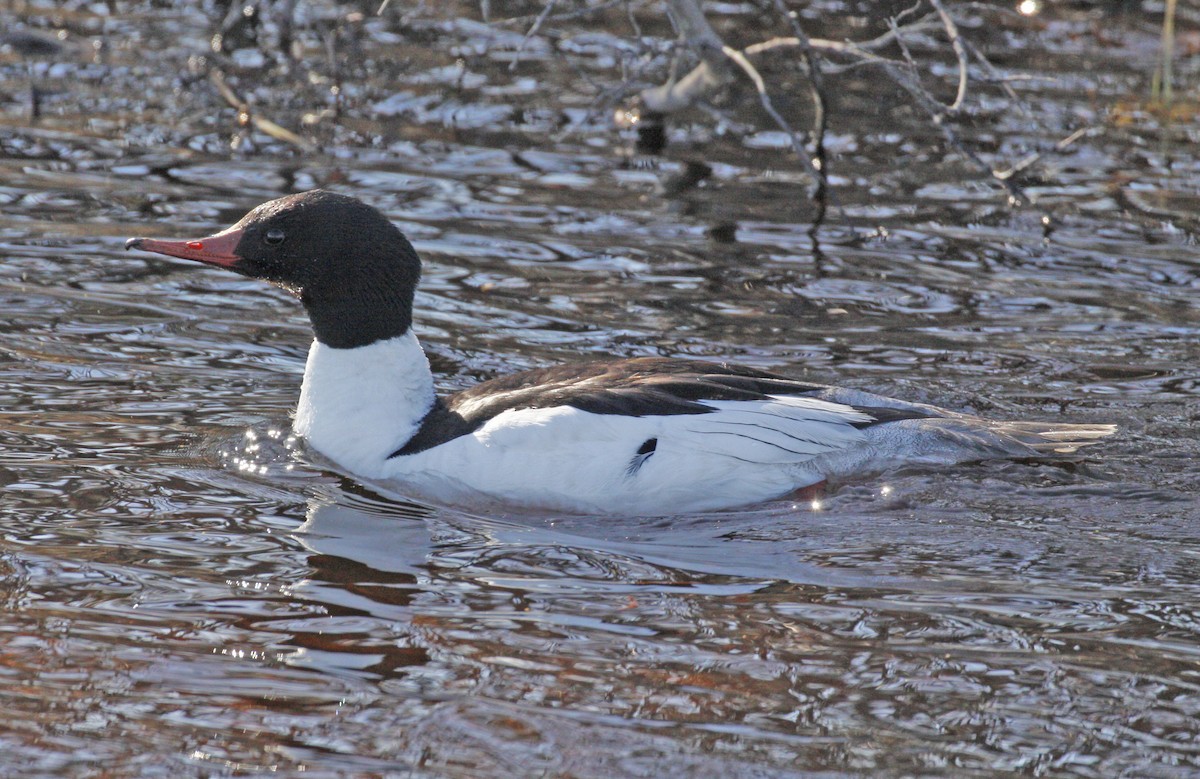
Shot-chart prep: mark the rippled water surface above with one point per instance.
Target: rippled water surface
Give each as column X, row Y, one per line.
column 185, row 592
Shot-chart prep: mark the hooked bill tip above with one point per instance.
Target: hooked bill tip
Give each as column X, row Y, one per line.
column 133, row 243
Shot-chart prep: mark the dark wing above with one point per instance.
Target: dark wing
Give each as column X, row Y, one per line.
column 643, row 386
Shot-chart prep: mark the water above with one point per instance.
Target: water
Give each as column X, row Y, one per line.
column 186, row 592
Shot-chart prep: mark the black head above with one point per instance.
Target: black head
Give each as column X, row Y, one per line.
column 353, row 270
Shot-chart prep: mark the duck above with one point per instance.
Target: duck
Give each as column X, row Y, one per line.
column 644, row 435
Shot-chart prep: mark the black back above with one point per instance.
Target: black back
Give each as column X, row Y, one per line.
column 643, row 386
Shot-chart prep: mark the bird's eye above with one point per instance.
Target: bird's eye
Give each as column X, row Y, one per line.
column 273, row 237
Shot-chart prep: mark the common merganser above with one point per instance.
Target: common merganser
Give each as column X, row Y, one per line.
column 646, row 436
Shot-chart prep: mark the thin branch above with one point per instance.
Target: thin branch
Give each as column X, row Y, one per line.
column 907, row 12
column 959, row 51
column 633, row 22
column 937, row 113
column 998, row 78
column 844, row 47
column 692, row 25
column 709, row 76
column 1032, row 159
column 816, row 83
column 245, row 113
column 532, row 31
column 765, row 99
column 565, row 16
column 1161, row 86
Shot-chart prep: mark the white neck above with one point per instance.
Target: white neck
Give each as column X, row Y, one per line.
column 359, row 405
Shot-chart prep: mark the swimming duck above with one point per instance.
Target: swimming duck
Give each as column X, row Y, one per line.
column 646, row 435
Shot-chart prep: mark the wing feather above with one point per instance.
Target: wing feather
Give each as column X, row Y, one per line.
column 655, row 387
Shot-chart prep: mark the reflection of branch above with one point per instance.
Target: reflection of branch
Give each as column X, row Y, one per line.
column 1138, row 200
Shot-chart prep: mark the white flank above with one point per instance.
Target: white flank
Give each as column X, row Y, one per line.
column 566, row 459
column 358, row 406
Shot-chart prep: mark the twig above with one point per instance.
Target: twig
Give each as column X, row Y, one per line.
column 676, row 95
column 759, row 84
column 843, row 47
column 532, row 31
column 816, row 83
column 246, row 114
column 999, row 78
column 1030, row 160
column 765, row 99
column 710, row 75
column 713, row 72
column 959, row 51
column 706, row 77
column 633, row 22
column 937, row 113
column 1132, row 199
column 1161, row 86
column 699, row 34
column 907, row 12
column 578, row 13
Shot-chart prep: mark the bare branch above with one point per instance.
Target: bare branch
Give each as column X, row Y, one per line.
column 768, row 106
column 578, row 13
column 246, row 114
column 906, row 79
column 710, row 75
column 532, row 31
column 812, row 67
column 998, row 78
column 959, row 51
column 633, row 22
column 1032, row 159
column 691, row 23
column 823, row 44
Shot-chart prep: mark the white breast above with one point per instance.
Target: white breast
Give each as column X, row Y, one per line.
column 359, row 405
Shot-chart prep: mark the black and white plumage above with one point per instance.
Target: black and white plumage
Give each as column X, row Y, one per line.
column 646, row 435
column 639, row 387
